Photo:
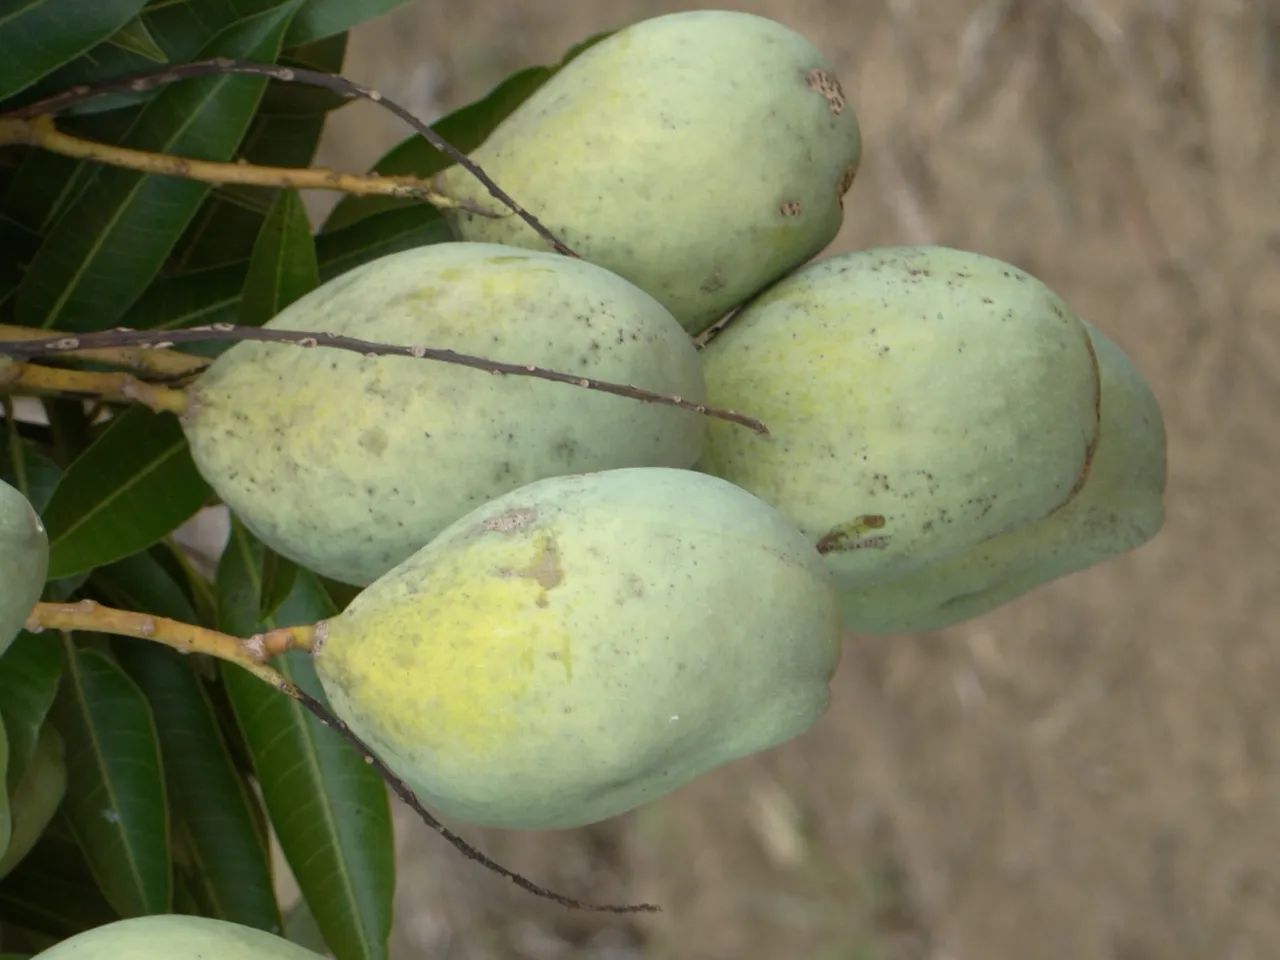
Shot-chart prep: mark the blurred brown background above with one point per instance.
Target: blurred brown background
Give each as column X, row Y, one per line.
column 1094, row 770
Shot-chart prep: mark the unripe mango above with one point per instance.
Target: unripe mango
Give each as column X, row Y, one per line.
column 175, row 937
column 36, row 797
column 24, row 559
column 350, row 463
column 920, row 401
column 700, row 155
column 585, row 644
column 1119, row 508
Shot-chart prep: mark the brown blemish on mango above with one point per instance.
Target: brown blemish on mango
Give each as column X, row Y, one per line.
column 851, row 535
column 824, row 82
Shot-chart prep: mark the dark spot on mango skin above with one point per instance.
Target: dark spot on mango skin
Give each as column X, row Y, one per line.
column 510, row 521
column 851, row 535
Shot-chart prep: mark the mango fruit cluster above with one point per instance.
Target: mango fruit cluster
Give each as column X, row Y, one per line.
column 575, row 602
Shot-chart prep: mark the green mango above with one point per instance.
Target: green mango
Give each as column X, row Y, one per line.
column 585, row 644
column 1120, row 507
column 24, row 559
column 700, row 155
column 36, row 797
column 921, row 400
column 175, row 937
column 349, row 463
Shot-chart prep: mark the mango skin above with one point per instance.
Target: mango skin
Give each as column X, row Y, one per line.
column 348, row 463
column 920, row 400
column 585, row 644
column 700, row 155
column 1120, row 507
column 24, row 560
column 175, row 937
column 36, row 797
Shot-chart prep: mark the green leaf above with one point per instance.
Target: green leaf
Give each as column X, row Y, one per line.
column 6, row 824
column 193, row 299
column 323, row 18
column 181, row 28
column 283, row 265
column 115, row 799
column 465, row 128
column 136, row 38
column 24, row 466
column 329, row 810
column 52, row 892
column 388, row 232
column 29, row 673
column 38, row 36
column 134, row 485
column 229, row 856
column 285, row 133
column 97, row 262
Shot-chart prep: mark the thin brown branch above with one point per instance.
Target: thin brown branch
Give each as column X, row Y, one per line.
column 142, row 82
column 165, row 363
column 29, row 349
column 402, row 790
column 41, row 132
column 250, row 655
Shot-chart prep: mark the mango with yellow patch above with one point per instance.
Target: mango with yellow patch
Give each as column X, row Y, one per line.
column 585, row 644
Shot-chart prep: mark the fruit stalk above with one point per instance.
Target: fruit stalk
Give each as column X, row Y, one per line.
column 120, row 387
column 250, row 654
column 164, row 362
column 43, row 133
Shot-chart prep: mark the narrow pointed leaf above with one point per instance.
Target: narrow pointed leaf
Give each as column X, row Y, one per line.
column 38, row 36
column 6, row 823
column 228, row 853
column 323, row 18
column 29, row 673
column 329, row 810
column 193, row 299
column 283, row 265
column 52, row 892
column 134, row 485
column 24, row 466
column 115, row 802
column 97, row 262
column 376, row 236
column 136, row 38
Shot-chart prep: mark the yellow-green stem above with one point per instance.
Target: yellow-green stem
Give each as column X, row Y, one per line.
column 250, row 654
column 122, row 387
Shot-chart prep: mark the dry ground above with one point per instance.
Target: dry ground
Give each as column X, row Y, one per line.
column 1094, row 770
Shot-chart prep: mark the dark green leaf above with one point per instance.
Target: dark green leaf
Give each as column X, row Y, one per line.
column 376, row 236
column 115, row 799
column 285, row 133
column 38, row 36
column 96, row 263
column 193, row 299
column 283, row 265
column 229, row 855
column 135, row 484
column 136, row 38
column 24, row 466
column 52, row 892
column 29, row 673
column 323, row 18
column 329, row 810
column 6, row 823
column 181, row 28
